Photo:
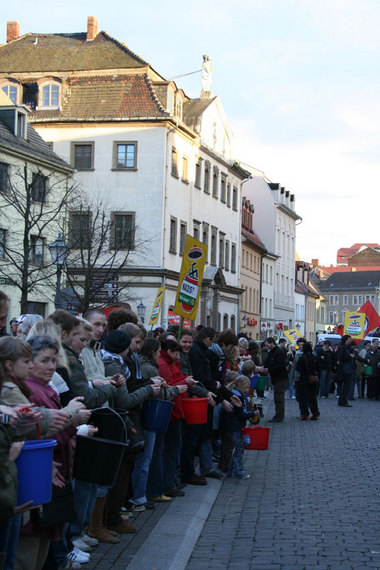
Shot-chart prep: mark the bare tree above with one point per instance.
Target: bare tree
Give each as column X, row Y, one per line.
column 101, row 243
column 33, row 205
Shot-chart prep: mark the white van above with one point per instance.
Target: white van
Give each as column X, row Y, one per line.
column 336, row 339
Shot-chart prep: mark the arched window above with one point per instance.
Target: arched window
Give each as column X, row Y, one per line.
column 49, row 95
column 12, row 91
column 178, row 107
column 170, row 105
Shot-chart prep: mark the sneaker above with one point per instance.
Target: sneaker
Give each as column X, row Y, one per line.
column 242, row 476
column 133, row 508
column 149, row 506
column 293, row 397
column 81, row 544
column 90, row 540
column 77, row 555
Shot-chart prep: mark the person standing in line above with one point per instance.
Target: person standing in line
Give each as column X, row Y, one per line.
column 307, row 365
column 346, row 368
column 276, row 364
column 326, row 364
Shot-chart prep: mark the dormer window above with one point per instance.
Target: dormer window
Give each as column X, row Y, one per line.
column 49, row 94
column 178, row 107
column 11, row 89
column 170, row 105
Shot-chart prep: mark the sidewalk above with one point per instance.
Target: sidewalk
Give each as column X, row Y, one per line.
column 313, row 502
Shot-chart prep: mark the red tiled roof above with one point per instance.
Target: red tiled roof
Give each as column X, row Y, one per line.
column 345, row 252
column 106, row 97
column 253, row 238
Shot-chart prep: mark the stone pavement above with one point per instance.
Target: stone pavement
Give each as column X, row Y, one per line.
column 313, row 502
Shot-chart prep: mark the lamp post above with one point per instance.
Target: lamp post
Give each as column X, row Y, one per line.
column 141, row 308
column 58, row 252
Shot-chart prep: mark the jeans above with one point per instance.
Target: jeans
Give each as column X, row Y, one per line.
column 351, row 391
column 291, row 389
column 141, row 469
column 172, row 447
column 9, row 533
column 205, row 456
column 236, row 468
column 85, row 494
column 325, row 383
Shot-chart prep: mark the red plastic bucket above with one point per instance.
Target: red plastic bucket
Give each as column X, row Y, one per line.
column 195, row 410
column 256, row 437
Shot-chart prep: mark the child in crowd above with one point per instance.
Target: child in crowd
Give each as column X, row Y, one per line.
column 231, row 425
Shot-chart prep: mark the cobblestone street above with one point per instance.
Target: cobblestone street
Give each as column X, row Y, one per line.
column 313, row 502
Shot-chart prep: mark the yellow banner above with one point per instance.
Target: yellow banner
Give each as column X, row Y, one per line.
column 354, row 324
column 190, row 279
column 293, row 335
column 157, row 306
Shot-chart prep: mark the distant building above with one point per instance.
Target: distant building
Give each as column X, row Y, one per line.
column 251, row 273
column 306, row 297
column 344, row 254
column 348, row 291
column 275, row 223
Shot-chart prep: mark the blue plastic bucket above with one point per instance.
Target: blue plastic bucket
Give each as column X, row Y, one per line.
column 156, row 414
column 34, row 472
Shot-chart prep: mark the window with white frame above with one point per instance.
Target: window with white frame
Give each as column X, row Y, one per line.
column 223, row 185
column 205, row 232
column 124, row 155
column 228, row 195
column 235, row 198
column 178, row 107
column 49, row 96
column 222, row 238
column 345, row 299
column 170, row 105
column 11, row 90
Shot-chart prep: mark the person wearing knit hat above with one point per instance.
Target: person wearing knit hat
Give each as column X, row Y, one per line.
column 117, row 341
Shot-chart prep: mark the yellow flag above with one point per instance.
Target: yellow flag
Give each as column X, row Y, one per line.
column 157, row 306
column 293, row 335
column 354, row 324
column 190, row 279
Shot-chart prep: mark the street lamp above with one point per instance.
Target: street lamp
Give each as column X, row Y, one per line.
column 244, row 321
column 141, row 308
column 58, row 252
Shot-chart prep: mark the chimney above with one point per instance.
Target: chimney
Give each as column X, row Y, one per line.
column 92, row 28
column 315, row 262
column 13, row 31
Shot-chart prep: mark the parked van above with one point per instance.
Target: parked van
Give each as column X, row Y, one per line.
column 336, row 339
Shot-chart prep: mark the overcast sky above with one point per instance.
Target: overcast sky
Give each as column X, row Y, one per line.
column 299, row 81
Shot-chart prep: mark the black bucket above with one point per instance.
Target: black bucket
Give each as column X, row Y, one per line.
column 110, row 424
column 97, row 460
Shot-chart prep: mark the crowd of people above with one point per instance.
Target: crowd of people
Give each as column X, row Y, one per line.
column 56, row 372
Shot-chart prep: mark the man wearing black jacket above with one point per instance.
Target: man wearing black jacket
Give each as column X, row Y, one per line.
column 276, row 364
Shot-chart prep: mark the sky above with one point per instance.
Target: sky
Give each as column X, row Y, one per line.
column 299, row 81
